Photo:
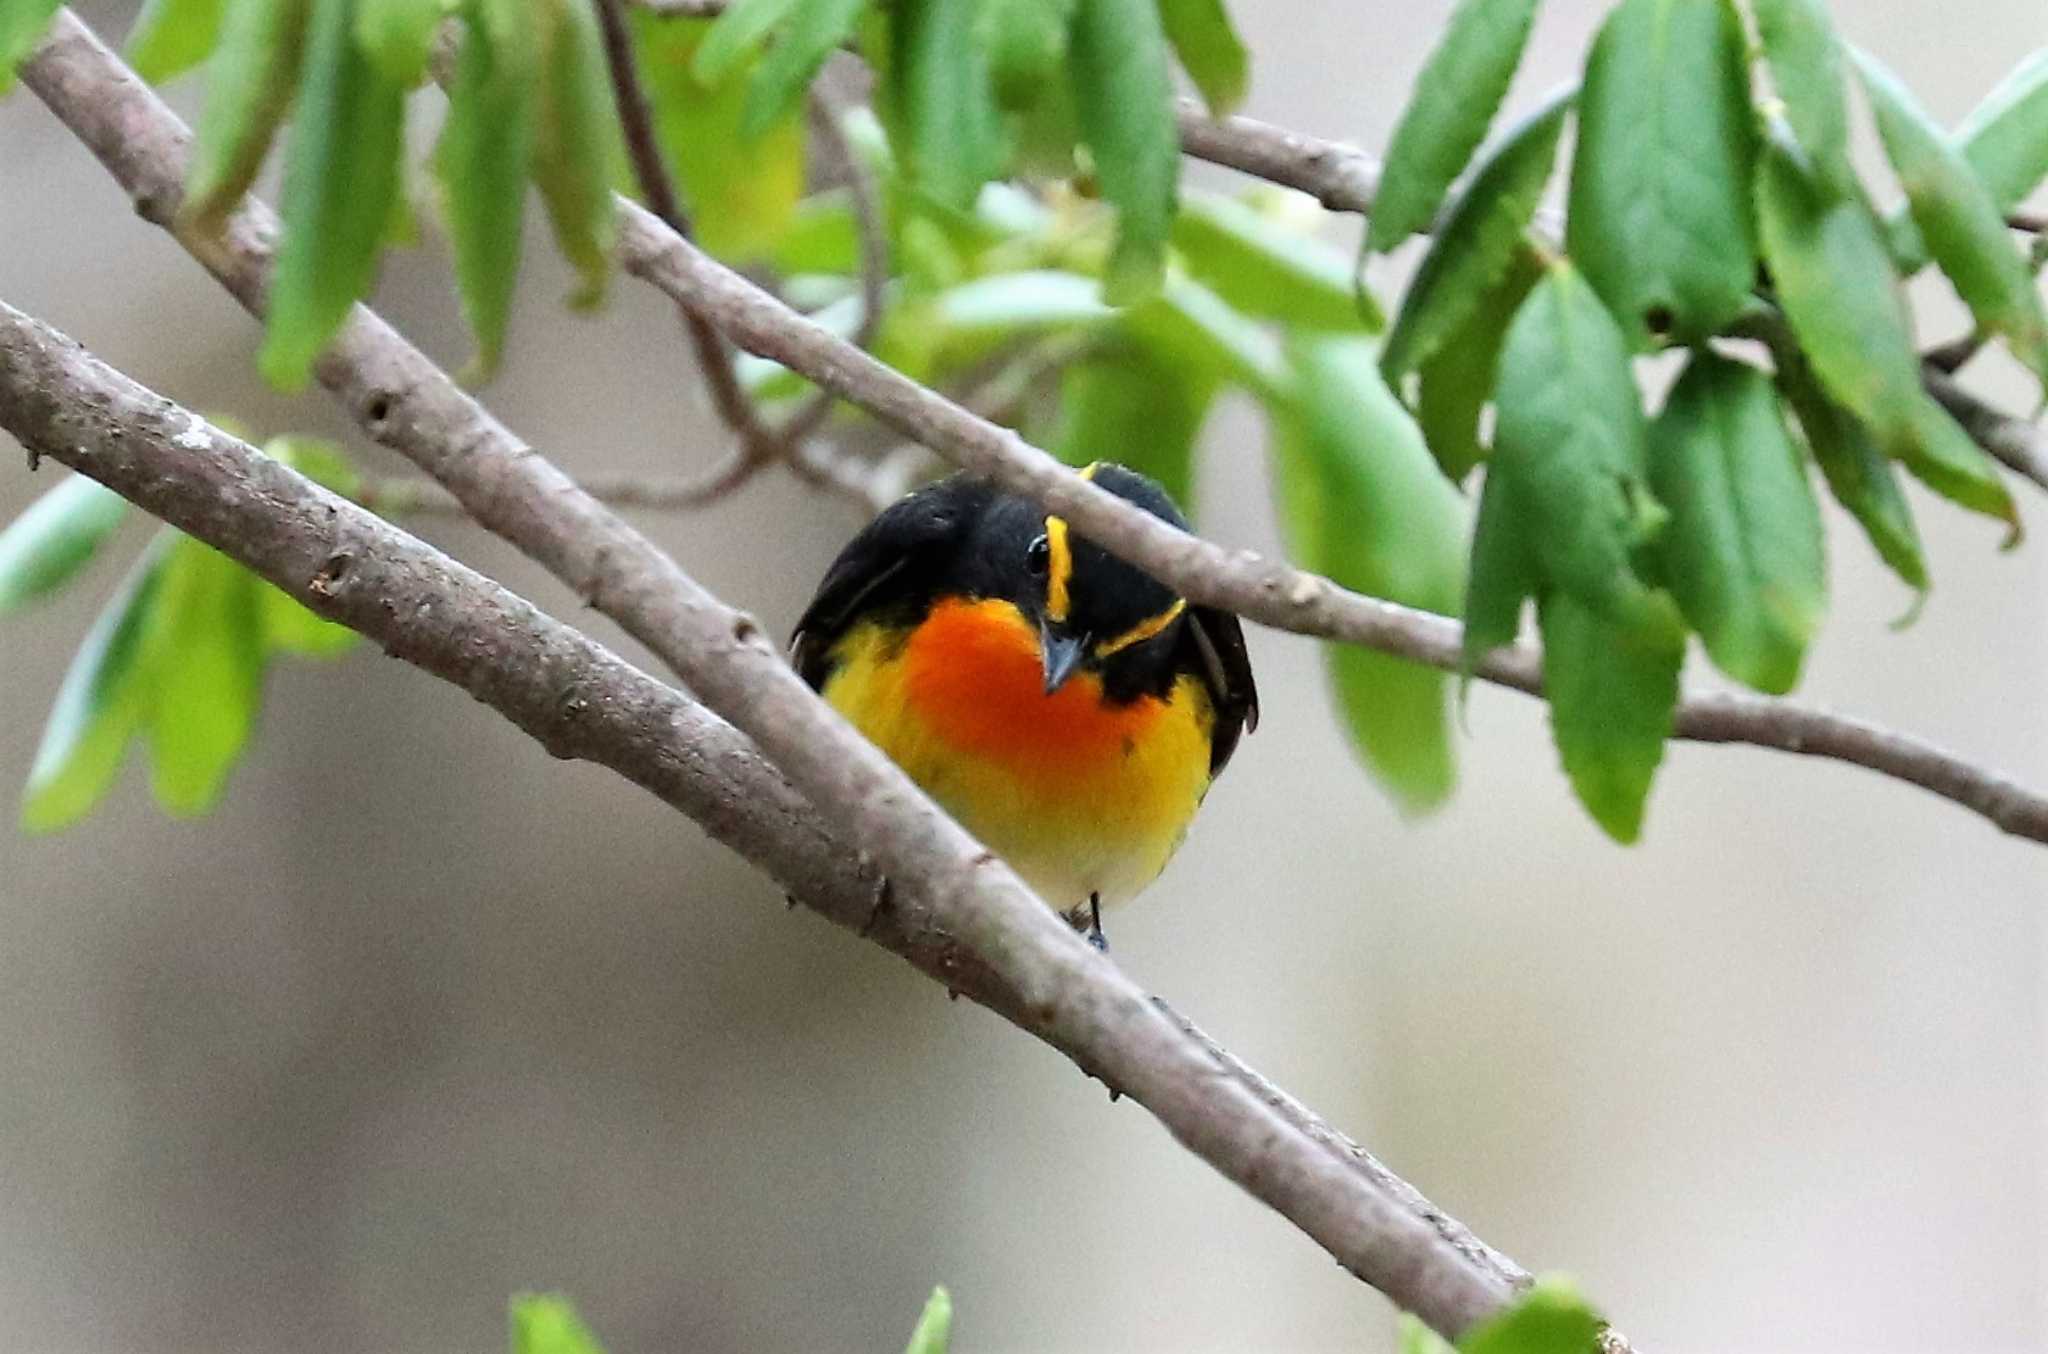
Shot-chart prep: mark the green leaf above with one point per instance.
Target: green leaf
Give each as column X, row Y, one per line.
column 45, row 547
column 170, row 37
column 1960, row 222
column 1503, row 574
column 1460, row 87
column 2005, row 138
column 575, row 144
column 1454, row 386
column 1857, row 472
column 1123, row 95
column 1551, row 1318
column 205, row 644
column 1806, row 67
column 1612, row 687
column 1010, row 303
column 318, row 460
column 1129, row 406
column 1364, row 504
column 1835, row 282
column 1482, row 236
column 21, row 28
column 100, row 704
column 548, row 1324
column 1660, row 214
column 737, row 36
column 934, row 1332
column 480, row 165
column 1198, row 328
column 341, row 173
column 1570, row 443
column 398, row 35
column 740, row 190
column 814, row 32
column 938, row 99
column 289, row 627
column 249, row 85
column 1262, row 268
column 1417, row 1338
column 1743, row 549
column 1210, row 50
column 1027, row 44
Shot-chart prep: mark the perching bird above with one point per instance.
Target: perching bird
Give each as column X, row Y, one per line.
column 1066, row 707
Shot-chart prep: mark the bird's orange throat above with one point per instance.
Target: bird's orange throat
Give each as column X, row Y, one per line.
column 973, row 673
column 1081, row 795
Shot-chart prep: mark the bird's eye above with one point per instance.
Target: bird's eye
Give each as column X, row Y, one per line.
column 1038, row 557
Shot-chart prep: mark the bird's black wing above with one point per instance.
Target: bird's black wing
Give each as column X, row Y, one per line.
column 1226, row 667
column 895, row 560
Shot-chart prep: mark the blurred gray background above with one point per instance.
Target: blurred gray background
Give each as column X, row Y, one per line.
column 421, row 1017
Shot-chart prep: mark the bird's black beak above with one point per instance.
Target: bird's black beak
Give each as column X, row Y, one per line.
column 1062, row 653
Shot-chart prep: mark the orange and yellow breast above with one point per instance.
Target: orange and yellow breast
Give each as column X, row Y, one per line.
column 1078, row 794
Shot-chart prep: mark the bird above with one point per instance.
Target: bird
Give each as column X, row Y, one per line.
column 1067, row 708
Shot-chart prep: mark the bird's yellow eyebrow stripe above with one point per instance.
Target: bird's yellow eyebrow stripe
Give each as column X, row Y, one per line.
column 1143, row 630
column 1059, row 574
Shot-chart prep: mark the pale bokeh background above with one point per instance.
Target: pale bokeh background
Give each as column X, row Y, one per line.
column 422, row 1017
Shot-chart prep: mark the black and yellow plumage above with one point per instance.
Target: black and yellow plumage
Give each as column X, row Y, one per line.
column 1067, row 708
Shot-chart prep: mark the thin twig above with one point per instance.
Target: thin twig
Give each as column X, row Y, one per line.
column 2016, row 443
column 650, row 171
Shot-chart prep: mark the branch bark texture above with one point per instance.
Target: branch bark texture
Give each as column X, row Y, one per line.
column 1066, row 992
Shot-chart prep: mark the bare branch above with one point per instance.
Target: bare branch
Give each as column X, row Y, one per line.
column 1067, row 993
column 2017, row 443
column 581, row 701
column 636, row 119
column 1342, row 178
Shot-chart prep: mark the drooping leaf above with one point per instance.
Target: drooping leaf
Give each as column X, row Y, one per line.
column 575, row 144
column 1460, row 87
column 1209, row 49
column 1365, row 505
column 1806, row 68
column 1611, row 687
column 480, row 165
column 1743, row 549
column 1961, row 224
column 170, row 37
column 1834, row 280
column 249, row 85
column 1570, row 444
column 1660, row 215
column 2005, row 138
column 548, row 1324
column 740, row 191
column 100, row 705
column 1123, row 95
column 398, row 35
column 1130, row 407
column 938, row 100
column 1857, row 472
column 1027, row 44
column 1481, row 237
column 1551, row 1318
column 54, row 538
column 737, row 36
column 1262, row 268
column 1503, row 573
column 205, row 646
column 815, row 30
column 1197, row 327
column 341, row 172
column 1454, row 386
column 21, row 27
column 934, row 1331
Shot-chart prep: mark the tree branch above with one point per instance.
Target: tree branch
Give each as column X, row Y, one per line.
column 581, row 701
column 2016, row 443
column 1066, row 993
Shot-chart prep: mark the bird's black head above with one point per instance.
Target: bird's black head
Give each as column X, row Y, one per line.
column 1093, row 611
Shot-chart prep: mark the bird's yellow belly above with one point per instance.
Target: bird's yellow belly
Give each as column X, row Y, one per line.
column 1080, row 797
